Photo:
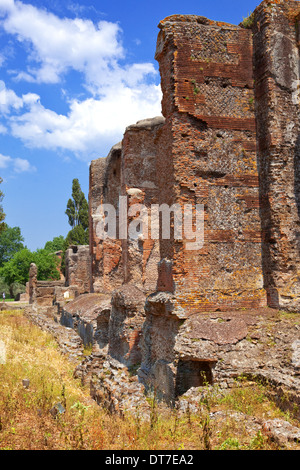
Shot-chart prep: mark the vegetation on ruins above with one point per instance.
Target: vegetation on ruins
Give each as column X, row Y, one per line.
column 248, row 21
column 26, row 422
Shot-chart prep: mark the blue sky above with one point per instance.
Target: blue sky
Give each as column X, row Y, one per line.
column 73, row 75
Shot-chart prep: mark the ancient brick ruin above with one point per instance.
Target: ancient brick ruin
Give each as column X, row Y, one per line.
column 228, row 140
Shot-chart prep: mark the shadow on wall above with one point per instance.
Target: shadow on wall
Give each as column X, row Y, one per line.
column 297, row 186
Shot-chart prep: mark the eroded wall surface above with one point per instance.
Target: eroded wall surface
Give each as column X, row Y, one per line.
column 106, row 255
column 78, row 268
column 208, row 103
column 129, row 172
column 276, row 69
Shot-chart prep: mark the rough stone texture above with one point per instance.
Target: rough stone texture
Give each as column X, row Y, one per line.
column 207, row 83
column 276, row 60
column 82, row 315
column 129, row 171
column 218, row 347
column 106, row 255
column 206, row 315
column 45, row 293
column 78, row 268
column 140, row 184
column 32, row 283
column 125, row 326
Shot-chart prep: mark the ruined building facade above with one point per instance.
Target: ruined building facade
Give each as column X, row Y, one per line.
column 228, row 139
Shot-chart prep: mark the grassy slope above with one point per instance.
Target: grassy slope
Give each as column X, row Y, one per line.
column 26, row 421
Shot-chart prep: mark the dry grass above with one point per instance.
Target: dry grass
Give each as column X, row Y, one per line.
column 27, row 424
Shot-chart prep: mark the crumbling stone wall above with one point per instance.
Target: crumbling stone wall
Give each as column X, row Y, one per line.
column 106, row 255
column 129, row 171
column 276, row 69
column 140, row 184
column 78, row 268
column 207, row 83
column 228, row 140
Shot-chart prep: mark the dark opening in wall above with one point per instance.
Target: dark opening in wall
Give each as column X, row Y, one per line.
column 193, row 374
column 102, row 332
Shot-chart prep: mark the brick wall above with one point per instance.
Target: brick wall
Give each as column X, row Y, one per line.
column 208, row 103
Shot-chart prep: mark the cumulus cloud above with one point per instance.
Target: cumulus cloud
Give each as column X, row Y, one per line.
column 119, row 94
column 59, row 44
column 8, row 99
column 90, row 124
column 4, row 161
column 19, row 165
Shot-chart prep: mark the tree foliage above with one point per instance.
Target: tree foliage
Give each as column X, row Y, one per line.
column 11, row 241
column 77, row 207
column 57, row 244
column 77, row 236
column 2, row 215
column 17, row 269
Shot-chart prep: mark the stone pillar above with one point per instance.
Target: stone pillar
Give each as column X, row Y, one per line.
column 78, row 268
column 276, row 66
column 33, row 271
column 139, row 184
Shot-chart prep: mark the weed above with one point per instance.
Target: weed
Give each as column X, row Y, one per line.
column 249, row 21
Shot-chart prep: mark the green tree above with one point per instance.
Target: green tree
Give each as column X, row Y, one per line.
column 77, row 236
column 17, row 269
column 11, row 241
column 77, row 207
column 4, row 287
column 47, row 264
column 57, row 244
column 2, row 215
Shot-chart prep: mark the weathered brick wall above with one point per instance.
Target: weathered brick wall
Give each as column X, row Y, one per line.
column 140, row 184
column 276, row 66
column 106, row 255
column 78, row 268
column 208, row 103
column 230, row 143
column 130, row 171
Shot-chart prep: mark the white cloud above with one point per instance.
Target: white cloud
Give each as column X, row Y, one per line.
column 8, row 99
column 90, row 125
column 58, row 44
column 19, row 165
column 119, row 94
column 3, row 129
column 4, row 161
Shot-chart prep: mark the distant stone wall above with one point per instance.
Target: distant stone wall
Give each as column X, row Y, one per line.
column 78, row 268
column 129, row 171
column 106, row 255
